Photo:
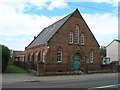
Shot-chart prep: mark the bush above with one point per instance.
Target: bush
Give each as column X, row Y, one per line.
column 5, row 57
column 103, row 51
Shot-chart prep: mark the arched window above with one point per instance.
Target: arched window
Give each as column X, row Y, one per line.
column 24, row 58
column 59, row 55
column 82, row 39
column 91, row 56
column 43, row 55
column 38, row 58
column 28, row 57
column 33, row 57
column 71, row 37
column 77, row 34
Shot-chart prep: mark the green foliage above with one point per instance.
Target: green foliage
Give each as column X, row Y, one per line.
column 103, row 51
column 5, row 56
column 14, row 69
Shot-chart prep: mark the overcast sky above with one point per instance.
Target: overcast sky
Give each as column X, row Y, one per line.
column 21, row 20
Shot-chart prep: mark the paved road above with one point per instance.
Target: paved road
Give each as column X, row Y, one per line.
column 104, row 82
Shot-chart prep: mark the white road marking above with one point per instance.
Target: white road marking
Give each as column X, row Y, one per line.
column 116, row 85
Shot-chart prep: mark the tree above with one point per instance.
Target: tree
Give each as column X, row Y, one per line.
column 103, row 51
column 5, row 56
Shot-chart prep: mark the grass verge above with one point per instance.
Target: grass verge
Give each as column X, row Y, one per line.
column 14, row 69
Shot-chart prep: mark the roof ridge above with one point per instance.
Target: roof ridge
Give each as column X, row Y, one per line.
column 59, row 20
column 52, row 24
column 49, row 26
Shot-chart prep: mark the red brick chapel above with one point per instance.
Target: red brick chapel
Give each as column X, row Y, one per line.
column 67, row 45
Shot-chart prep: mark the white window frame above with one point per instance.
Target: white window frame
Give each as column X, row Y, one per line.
column 82, row 39
column 71, row 37
column 59, row 55
column 77, row 34
column 91, row 56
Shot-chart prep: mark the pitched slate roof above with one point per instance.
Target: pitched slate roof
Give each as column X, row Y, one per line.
column 48, row 32
column 17, row 53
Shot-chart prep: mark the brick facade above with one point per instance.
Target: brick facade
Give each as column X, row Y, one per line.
column 61, row 40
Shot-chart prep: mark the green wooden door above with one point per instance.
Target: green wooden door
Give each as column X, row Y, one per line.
column 77, row 62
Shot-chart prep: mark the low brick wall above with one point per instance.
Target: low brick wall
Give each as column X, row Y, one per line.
column 60, row 73
column 101, row 71
column 63, row 69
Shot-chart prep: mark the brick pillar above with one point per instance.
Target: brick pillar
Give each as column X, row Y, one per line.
column 86, row 70
column 40, row 69
column 83, row 66
column 28, row 67
column 71, row 66
column 113, row 67
column 87, row 65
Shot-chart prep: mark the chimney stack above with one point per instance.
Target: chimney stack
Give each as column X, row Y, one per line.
column 34, row 37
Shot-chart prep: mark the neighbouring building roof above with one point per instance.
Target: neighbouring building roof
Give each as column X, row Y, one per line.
column 113, row 41
column 17, row 53
column 23, row 53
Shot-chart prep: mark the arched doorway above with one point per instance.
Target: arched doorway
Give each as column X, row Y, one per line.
column 77, row 62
